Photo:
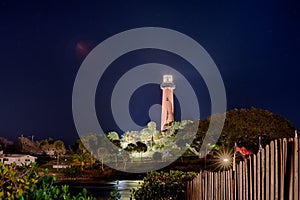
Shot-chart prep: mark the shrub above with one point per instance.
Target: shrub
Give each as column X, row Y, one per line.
column 163, row 185
column 25, row 183
column 115, row 193
column 72, row 171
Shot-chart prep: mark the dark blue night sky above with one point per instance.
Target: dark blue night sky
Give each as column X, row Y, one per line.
column 255, row 44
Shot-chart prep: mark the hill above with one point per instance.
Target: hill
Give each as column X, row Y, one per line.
column 244, row 126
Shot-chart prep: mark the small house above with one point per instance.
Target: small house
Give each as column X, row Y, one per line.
column 18, row 159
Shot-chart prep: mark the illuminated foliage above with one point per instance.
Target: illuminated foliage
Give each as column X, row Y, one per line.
column 163, row 185
column 25, row 183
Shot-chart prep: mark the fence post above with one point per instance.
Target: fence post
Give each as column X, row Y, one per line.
column 206, row 186
column 296, row 168
column 254, row 177
column 281, row 181
column 263, row 174
column 272, row 174
column 240, row 183
column 246, row 180
column 276, row 169
column 250, row 178
column 258, row 176
column 203, row 185
column 291, row 169
column 267, row 192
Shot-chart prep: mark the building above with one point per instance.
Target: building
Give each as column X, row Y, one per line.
column 18, row 159
column 167, row 110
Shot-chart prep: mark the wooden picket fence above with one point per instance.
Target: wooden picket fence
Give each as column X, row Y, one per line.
column 271, row 174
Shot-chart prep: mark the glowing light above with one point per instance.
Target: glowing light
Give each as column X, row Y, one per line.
column 223, row 159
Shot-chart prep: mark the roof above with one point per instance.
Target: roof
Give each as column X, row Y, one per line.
column 16, row 156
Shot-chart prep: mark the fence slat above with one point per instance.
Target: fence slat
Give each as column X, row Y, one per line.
column 272, row 171
column 258, row 176
column 250, row 178
column 263, row 174
column 281, row 163
column 240, row 168
column 267, row 151
column 276, row 169
column 296, row 169
column 291, row 169
column 285, row 158
column 254, row 177
column 246, row 181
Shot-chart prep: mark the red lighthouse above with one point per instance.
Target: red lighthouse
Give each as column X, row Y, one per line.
column 167, row 110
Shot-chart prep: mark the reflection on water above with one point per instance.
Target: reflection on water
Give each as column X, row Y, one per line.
column 102, row 189
column 125, row 187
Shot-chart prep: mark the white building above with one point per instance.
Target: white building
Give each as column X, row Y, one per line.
column 18, row 159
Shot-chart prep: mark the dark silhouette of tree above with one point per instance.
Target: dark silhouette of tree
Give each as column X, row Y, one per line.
column 244, row 126
column 130, row 148
column 141, row 147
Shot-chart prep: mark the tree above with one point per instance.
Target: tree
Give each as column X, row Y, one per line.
column 113, row 136
column 90, row 142
column 81, row 158
column 47, row 146
column 140, row 148
column 130, row 137
column 126, row 157
column 116, row 148
column 146, row 135
column 149, row 133
column 131, row 147
column 101, row 153
column 59, row 149
column 244, row 126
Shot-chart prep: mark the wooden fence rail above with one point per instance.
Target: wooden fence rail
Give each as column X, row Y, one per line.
column 270, row 174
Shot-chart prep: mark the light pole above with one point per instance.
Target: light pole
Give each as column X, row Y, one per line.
column 206, row 154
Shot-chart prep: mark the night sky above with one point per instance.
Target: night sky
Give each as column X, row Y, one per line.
column 255, row 44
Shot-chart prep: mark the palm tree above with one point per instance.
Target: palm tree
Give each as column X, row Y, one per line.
column 125, row 156
column 90, row 142
column 59, row 149
column 81, row 158
column 101, row 154
column 116, row 148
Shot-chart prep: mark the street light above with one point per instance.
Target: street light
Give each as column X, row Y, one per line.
column 223, row 159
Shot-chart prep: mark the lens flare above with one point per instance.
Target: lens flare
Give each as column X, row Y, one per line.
column 223, row 159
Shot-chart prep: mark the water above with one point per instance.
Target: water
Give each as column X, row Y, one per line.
column 101, row 189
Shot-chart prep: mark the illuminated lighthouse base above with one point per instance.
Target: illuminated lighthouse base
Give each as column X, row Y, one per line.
column 167, row 111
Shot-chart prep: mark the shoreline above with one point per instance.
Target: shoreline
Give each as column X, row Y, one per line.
column 101, row 179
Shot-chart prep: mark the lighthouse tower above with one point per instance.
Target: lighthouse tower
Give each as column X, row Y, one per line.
column 167, row 110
